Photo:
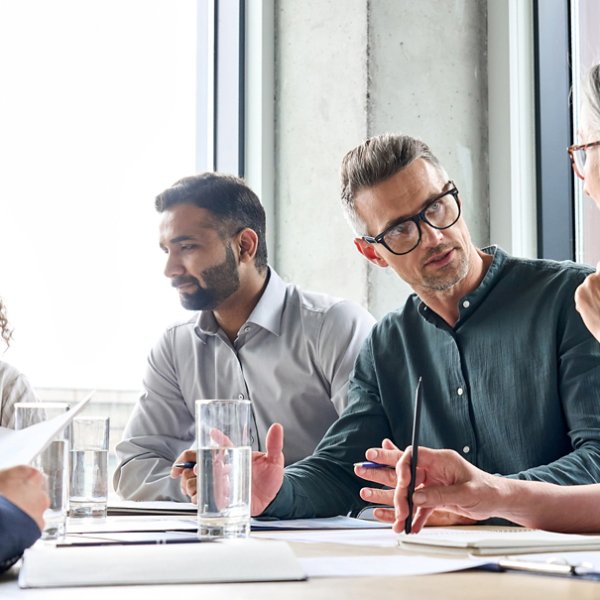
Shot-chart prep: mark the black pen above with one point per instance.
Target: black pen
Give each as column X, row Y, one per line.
column 185, row 465
column 415, row 456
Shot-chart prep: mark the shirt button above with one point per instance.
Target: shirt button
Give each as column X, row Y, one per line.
column 459, row 391
column 466, row 304
column 246, row 329
column 466, row 450
column 241, row 396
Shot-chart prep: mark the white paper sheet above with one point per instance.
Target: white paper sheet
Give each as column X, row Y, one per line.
column 374, row 566
column 21, row 447
column 111, row 524
column 377, row 538
column 227, row 561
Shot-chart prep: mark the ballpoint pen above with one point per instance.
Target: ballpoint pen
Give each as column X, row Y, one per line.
column 369, row 464
column 415, row 455
column 185, row 465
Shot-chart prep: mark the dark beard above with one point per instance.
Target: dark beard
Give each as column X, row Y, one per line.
column 220, row 282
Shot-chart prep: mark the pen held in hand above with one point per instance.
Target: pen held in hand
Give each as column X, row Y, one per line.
column 415, row 455
column 369, row 464
column 185, row 465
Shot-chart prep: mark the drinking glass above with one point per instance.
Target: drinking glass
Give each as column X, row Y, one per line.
column 52, row 462
column 89, row 467
column 223, row 467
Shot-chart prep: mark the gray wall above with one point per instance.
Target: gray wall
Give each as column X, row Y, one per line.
column 348, row 69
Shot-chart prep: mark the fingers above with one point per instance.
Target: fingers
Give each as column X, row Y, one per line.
column 274, row 443
column 185, row 456
column 388, row 454
column 385, row 515
column 384, row 475
column 377, row 496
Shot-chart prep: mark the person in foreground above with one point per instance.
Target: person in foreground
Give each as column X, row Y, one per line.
column 511, row 375
column 22, row 505
column 14, row 386
column 287, row 350
column 450, row 482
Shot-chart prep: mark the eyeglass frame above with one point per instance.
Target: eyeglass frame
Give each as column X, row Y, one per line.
column 420, row 216
column 576, row 148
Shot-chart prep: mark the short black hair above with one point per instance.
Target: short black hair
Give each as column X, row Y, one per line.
column 228, row 198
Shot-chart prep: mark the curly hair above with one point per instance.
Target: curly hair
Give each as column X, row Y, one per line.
column 5, row 330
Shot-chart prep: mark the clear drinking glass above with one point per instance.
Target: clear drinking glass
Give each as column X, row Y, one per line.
column 89, row 467
column 223, row 467
column 52, row 462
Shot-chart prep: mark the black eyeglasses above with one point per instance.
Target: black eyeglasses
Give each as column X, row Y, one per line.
column 578, row 154
column 404, row 236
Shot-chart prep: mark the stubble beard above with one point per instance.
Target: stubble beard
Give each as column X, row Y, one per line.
column 448, row 276
column 220, row 282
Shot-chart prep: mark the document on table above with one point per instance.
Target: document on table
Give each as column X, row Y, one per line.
column 210, row 562
column 496, row 541
column 131, row 507
column 21, row 447
column 389, row 565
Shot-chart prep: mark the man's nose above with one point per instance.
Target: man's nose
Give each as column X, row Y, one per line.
column 173, row 266
column 430, row 236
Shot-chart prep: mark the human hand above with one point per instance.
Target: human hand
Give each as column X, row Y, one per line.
column 267, row 471
column 25, row 487
column 587, row 302
column 188, row 476
column 388, row 455
column 448, row 482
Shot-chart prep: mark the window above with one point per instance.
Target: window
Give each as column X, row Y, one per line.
column 98, row 114
column 585, row 19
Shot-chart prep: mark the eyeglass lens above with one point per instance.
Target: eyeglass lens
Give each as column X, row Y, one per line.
column 580, row 156
column 441, row 214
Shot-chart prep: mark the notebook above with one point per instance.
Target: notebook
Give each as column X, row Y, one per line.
column 212, row 562
column 490, row 541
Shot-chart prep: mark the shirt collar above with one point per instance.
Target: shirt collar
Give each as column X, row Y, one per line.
column 266, row 314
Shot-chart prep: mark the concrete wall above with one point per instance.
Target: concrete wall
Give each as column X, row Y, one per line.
column 348, row 69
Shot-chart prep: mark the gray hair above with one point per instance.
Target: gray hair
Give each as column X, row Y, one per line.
column 591, row 93
column 374, row 161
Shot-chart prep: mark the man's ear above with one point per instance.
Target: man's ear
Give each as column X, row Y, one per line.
column 369, row 252
column 247, row 244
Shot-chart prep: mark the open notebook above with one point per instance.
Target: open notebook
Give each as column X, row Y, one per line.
column 496, row 541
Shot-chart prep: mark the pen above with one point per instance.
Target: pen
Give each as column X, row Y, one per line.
column 369, row 464
column 548, row 568
column 185, row 465
column 415, row 455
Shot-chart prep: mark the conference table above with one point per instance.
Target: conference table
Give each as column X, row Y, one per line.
column 464, row 585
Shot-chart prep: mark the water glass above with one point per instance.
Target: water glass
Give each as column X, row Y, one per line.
column 224, row 454
column 89, row 467
column 52, row 462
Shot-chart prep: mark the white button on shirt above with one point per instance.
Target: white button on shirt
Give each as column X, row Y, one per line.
column 466, row 449
column 466, row 304
column 294, row 368
column 460, row 391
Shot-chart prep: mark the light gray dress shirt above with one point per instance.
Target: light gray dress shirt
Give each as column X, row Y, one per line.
column 292, row 358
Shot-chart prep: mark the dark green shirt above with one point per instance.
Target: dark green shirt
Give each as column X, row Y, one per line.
column 514, row 387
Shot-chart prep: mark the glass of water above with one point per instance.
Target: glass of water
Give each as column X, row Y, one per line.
column 224, row 454
column 89, row 467
column 52, row 462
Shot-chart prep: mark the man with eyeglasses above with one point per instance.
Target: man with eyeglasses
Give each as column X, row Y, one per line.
column 511, row 375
